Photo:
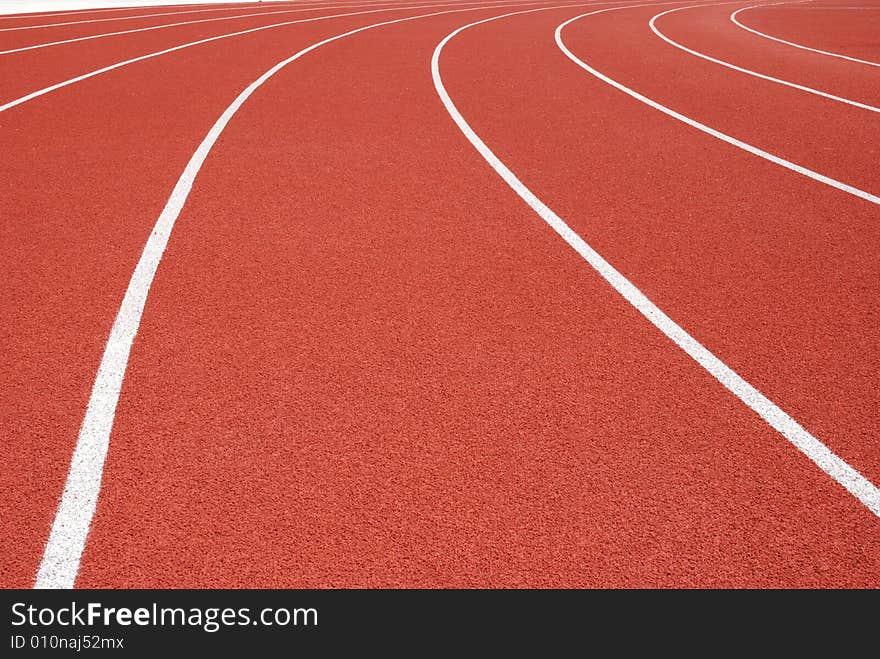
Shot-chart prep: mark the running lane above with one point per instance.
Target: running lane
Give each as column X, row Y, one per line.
column 710, row 31
column 846, row 27
column 85, row 172
column 770, row 270
column 364, row 362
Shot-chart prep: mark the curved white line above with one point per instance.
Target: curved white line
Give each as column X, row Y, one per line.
column 809, row 173
column 127, row 18
column 821, row 455
column 85, row 76
column 63, row 552
column 809, row 90
column 792, row 43
column 160, row 27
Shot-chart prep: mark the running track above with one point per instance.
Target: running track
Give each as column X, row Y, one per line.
column 543, row 301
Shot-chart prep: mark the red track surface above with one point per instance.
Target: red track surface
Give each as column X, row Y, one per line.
column 845, row 27
column 365, row 362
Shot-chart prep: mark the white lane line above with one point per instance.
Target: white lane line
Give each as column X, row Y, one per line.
column 856, row 484
column 91, row 74
column 131, row 18
column 63, row 552
column 653, row 25
column 733, row 17
column 809, row 173
column 160, row 27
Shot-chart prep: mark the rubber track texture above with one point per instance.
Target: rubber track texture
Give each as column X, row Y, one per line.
column 478, row 409
column 364, row 362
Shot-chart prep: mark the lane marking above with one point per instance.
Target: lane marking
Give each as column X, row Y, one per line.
column 91, row 74
column 809, row 173
column 127, row 18
column 809, row 90
column 163, row 26
column 854, row 482
column 70, row 527
column 733, row 17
